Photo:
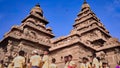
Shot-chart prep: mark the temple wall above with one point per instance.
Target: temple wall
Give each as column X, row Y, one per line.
column 77, row 51
column 29, row 47
column 1, row 54
column 112, row 58
column 36, row 33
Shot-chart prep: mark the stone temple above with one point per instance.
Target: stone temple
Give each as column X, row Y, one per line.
column 88, row 36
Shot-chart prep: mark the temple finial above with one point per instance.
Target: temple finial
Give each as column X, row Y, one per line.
column 85, row 5
column 37, row 5
column 85, row 1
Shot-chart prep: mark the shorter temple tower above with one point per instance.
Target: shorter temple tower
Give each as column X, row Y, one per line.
column 30, row 35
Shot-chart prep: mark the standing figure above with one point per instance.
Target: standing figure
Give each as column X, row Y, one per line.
column 66, row 61
column 99, row 62
column 10, row 64
column 46, row 59
column 71, row 63
column 53, row 65
column 1, row 64
column 105, row 65
column 85, row 63
column 118, row 66
column 95, row 62
column 41, row 63
column 35, row 60
column 28, row 64
column 19, row 61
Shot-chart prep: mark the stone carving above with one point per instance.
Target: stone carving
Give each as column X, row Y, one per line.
column 29, row 33
column 117, row 55
column 26, row 31
column 111, row 41
column 73, row 31
column 31, row 23
column 14, row 54
column 20, row 46
column 30, row 20
column 101, row 54
column 69, row 40
column 87, row 26
column 32, row 34
column 9, row 51
column 9, row 47
column 17, row 33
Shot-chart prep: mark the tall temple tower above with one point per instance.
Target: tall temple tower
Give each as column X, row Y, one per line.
column 31, row 34
column 89, row 27
column 88, row 36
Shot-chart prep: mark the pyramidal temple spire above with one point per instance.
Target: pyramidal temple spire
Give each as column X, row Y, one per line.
column 88, row 25
column 85, row 5
column 36, row 13
column 37, row 9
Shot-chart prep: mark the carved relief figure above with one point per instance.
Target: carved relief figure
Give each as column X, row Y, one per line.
column 117, row 55
column 32, row 34
column 9, row 46
column 26, row 31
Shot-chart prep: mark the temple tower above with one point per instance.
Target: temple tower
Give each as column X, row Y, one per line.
column 89, row 27
column 31, row 34
column 88, row 36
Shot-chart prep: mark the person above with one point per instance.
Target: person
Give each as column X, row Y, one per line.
column 46, row 59
column 66, row 61
column 28, row 64
column 35, row 59
column 1, row 64
column 118, row 66
column 99, row 62
column 90, row 60
column 10, row 64
column 41, row 63
column 95, row 63
column 19, row 61
column 105, row 65
column 85, row 63
column 71, row 63
column 53, row 65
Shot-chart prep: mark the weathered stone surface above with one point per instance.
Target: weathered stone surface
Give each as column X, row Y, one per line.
column 87, row 36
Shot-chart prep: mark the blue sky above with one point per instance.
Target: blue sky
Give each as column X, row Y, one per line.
column 60, row 13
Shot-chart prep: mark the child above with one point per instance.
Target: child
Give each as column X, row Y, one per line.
column 66, row 61
column 45, row 59
column 118, row 66
column 71, row 64
column 19, row 61
column 85, row 63
column 53, row 65
column 1, row 64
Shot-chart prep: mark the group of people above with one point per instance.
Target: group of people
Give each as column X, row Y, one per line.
column 69, row 63
column 87, row 62
column 93, row 62
column 36, row 61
